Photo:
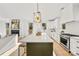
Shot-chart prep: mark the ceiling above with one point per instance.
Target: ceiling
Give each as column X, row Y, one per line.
column 24, row 11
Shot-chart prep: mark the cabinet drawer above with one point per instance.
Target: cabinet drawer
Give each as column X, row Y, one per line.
column 74, row 42
column 77, row 49
column 77, row 54
column 77, row 41
column 74, row 50
column 74, row 45
column 39, row 49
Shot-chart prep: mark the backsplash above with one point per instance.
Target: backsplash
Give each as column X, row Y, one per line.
column 72, row 28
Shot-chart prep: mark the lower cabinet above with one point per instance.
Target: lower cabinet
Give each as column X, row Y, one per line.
column 39, row 49
column 74, row 45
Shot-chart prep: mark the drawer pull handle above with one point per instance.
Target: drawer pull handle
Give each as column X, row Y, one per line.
column 77, row 53
column 77, row 41
column 78, row 47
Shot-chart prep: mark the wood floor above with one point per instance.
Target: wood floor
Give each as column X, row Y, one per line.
column 60, row 51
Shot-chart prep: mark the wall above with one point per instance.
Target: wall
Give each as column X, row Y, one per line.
column 3, row 22
column 24, row 12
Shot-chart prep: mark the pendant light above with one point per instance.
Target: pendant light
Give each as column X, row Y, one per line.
column 37, row 15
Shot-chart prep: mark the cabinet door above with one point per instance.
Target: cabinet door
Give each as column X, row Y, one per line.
column 77, row 46
column 66, row 13
column 74, row 45
column 39, row 49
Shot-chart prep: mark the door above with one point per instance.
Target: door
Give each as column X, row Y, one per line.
column 30, row 28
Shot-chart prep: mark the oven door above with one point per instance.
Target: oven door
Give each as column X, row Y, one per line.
column 63, row 40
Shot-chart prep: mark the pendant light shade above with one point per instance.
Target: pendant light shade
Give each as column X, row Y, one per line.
column 37, row 15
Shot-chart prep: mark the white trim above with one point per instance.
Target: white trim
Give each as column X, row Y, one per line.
column 54, row 53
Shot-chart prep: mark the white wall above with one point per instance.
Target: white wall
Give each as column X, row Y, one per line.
column 3, row 22
column 24, row 12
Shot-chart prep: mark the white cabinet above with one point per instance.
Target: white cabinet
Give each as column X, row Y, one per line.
column 74, row 45
column 69, row 12
column 66, row 13
column 76, row 11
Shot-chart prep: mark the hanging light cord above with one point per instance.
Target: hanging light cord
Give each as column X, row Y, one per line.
column 37, row 7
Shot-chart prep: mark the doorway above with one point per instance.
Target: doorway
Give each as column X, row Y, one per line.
column 30, row 28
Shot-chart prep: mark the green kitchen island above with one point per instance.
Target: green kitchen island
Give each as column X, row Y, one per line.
column 38, row 45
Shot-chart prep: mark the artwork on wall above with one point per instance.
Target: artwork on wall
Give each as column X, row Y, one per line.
column 15, row 24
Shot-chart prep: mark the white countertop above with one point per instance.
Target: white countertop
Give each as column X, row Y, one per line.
column 33, row 38
column 7, row 53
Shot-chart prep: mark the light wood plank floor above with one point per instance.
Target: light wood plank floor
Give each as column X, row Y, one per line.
column 60, row 51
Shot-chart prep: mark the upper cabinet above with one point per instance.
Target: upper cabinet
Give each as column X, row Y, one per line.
column 69, row 12
column 76, row 11
column 66, row 13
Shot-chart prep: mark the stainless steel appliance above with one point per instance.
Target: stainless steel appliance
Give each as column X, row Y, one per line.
column 65, row 41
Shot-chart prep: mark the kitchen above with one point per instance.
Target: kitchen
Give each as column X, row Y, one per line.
column 43, row 26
